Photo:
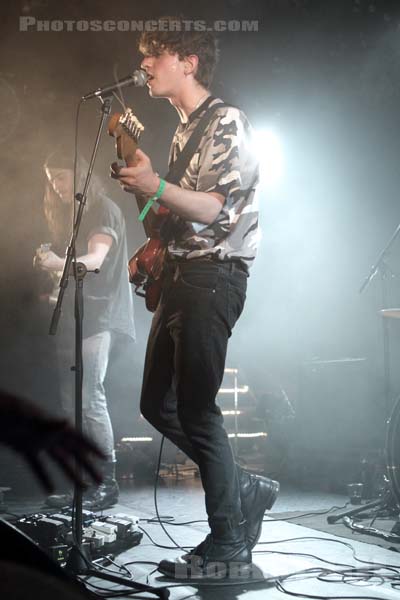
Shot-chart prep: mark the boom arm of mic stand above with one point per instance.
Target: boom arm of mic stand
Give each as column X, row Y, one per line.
column 381, row 257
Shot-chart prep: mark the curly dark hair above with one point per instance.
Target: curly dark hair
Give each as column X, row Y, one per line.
column 177, row 40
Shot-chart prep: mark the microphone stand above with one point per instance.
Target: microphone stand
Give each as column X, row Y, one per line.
column 78, row 562
column 385, row 501
column 381, row 267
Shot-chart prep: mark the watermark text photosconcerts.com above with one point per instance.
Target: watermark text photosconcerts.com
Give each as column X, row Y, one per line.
column 30, row 23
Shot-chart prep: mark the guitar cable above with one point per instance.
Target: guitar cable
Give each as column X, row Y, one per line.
column 155, row 488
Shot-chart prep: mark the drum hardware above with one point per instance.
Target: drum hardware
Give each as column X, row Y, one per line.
column 382, row 268
column 390, row 313
column 390, row 498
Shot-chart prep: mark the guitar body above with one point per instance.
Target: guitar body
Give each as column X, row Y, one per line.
column 145, row 270
column 146, row 265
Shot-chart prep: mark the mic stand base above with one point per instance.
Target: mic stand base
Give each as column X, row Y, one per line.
column 382, row 502
column 387, row 500
column 78, row 560
column 79, row 563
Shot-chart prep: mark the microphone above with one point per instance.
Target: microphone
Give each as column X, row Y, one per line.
column 138, row 79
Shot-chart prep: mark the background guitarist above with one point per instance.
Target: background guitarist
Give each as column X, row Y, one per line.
column 108, row 308
column 212, row 245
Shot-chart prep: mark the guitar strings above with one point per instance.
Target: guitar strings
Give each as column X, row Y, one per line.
column 120, row 97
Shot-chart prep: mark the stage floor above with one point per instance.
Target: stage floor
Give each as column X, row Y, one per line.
column 182, row 502
column 284, row 547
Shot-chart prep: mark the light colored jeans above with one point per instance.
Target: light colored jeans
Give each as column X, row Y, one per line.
column 95, row 416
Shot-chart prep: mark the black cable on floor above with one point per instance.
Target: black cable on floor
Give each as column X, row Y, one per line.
column 310, row 514
column 184, row 550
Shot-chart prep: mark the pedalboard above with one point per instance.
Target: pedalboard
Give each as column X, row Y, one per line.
column 105, row 535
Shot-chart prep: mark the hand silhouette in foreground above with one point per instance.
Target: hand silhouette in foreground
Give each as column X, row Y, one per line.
column 33, row 433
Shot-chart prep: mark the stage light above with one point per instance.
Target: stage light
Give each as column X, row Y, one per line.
column 132, row 440
column 268, row 149
column 240, row 390
column 256, row 434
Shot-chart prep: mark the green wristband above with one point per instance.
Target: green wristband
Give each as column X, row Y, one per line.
column 151, row 200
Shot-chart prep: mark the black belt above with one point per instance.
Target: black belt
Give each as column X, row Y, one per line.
column 185, row 262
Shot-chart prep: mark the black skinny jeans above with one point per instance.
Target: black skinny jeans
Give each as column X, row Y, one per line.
column 184, row 367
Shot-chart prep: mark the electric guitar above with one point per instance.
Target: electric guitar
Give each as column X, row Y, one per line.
column 51, row 278
column 146, row 265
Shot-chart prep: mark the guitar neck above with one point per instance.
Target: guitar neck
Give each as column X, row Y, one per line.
column 152, row 221
column 126, row 129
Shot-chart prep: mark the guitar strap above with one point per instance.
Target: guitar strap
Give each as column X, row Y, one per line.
column 178, row 168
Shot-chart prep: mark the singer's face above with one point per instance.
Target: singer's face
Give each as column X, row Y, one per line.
column 166, row 74
column 62, row 182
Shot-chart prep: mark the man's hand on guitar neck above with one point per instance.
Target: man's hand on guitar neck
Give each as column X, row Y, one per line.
column 200, row 207
column 98, row 247
column 48, row 260
column 140, row 179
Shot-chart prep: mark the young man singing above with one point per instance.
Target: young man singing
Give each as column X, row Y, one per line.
column 212, row 245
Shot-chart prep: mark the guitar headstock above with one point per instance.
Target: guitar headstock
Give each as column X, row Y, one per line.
column 126, row 129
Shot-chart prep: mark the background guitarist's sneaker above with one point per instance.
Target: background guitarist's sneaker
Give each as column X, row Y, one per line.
column 98, row 497
column 59, row 500
column 106, row 494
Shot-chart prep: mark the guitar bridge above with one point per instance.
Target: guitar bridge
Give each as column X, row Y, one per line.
column 138, row 293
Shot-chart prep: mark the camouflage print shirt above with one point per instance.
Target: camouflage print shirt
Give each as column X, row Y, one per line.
column 225, row 163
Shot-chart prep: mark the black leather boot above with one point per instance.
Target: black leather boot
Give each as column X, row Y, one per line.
column 106, row 494
column 257, row 494
column 224, row 554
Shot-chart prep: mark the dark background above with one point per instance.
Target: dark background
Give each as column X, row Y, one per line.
column 325, row 77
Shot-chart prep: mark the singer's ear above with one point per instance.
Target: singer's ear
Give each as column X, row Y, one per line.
column 190, row 64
